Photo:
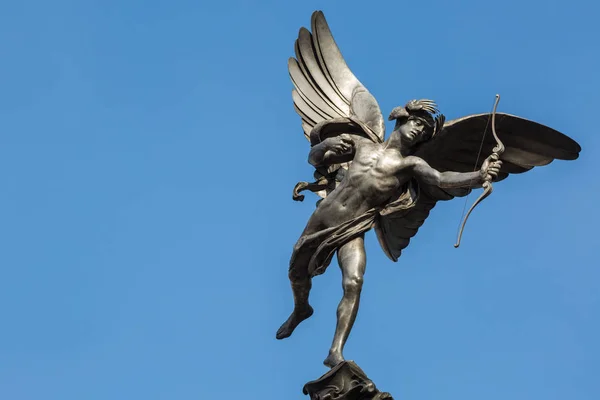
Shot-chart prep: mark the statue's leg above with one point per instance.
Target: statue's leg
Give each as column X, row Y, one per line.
column 300, row 279
column 301, row 284
column 352, row 260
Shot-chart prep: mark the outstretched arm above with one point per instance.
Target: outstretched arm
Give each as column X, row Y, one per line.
column 449, row 179
column 333, row 150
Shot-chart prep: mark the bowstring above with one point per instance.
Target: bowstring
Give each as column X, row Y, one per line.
column 487, row 124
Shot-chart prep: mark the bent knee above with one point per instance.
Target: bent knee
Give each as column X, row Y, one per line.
column 353, row 283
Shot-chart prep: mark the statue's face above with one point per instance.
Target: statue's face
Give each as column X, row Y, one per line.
column 412, row 131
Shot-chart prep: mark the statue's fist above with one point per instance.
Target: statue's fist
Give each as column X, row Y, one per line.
column 490, row 168
column 340, row 144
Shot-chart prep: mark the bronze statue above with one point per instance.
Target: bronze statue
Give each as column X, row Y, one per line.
column 390, row 185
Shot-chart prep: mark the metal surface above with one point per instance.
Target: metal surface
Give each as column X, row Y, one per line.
column 387, row 185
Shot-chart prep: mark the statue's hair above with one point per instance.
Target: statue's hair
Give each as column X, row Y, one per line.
column 424, row 109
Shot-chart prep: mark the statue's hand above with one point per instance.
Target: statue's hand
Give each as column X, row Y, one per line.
column 490, row 168
column 340, row 144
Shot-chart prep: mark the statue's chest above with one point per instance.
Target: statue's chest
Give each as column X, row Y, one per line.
column 380, row 162
column 375, row 172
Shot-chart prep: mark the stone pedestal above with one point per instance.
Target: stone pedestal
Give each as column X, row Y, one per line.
column 344, row 382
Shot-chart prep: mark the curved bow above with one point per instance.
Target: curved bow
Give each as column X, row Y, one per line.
column 487, row 183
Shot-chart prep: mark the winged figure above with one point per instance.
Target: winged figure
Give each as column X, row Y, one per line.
column 390, row 185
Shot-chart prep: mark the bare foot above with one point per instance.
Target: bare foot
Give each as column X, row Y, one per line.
column 297, row 316
column 333, row 359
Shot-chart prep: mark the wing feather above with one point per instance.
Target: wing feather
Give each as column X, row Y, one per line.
column 307, row 112
column 525, row 158
column 305, row 54
column 321, row 99
column 306, row 128
column 307, row 92
column 337, row 71
column 325, row 88
column 395, row 230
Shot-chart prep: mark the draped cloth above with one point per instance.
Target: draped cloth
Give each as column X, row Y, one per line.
column 313, row 252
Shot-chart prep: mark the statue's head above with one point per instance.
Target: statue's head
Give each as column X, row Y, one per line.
column 417, row 121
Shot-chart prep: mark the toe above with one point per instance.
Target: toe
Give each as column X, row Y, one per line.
column 281, row 334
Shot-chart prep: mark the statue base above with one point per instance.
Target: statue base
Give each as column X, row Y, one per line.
column 346, row 381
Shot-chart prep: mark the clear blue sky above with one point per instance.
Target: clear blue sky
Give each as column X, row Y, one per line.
column 148, row 150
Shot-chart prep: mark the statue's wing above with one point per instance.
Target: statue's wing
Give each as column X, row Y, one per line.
column 528, row 144
column 329, row 99
column 456, row 148
column 324, row 86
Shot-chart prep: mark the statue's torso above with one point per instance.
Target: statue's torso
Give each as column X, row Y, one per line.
column 374, row 177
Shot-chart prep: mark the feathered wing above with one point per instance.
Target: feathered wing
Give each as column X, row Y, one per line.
column 456, row 148
column 326, row 93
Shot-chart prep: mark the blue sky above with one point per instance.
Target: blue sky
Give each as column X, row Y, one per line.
column 148, row 150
